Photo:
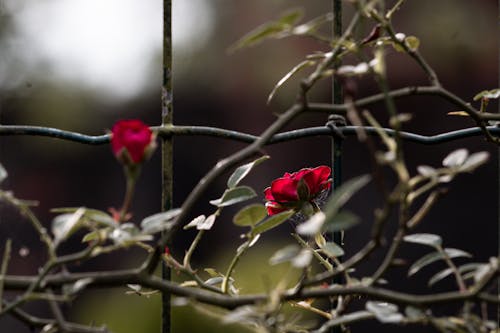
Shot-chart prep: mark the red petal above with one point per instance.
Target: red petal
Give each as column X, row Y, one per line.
column 316, row 179
column 132, row 135
column 268, row 194
column 284, row 190
column 274, row 208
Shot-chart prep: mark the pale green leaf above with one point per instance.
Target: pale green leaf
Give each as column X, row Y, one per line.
column 285, row 254
column 302, row 259
column 475, row 160
column 65, row 225
column 424, row 261
column 234, row 195
column 341, row 221
column 272, row 222
column 424, row 239
column 440, row 276
column 159, row 222
column 312, row 226
column 273, row 29
column 384, row 312
column 207, row 223
column 312, row 25
column 341, row 195
column 435, row 256
column 99, row 234
column 242, row 171
column 412, row 43
column 3, row 173
column 92, row 215
column 128, row 234
column 456, row 158
column 288, row 75
column 414, row 313
column 195, row 222
column 250, row 215
column 212, row 272
column 332, row 250
column 490, row 94
column 78, row 286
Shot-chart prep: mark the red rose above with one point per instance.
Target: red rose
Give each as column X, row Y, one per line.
column 132, row 141
column 294, row 189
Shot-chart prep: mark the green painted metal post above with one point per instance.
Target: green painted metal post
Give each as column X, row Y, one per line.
column 167, row 148
column 337, row 98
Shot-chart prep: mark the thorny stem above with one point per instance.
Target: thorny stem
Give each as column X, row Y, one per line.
column 232, row 265
column 48, row 267
column 319, row 257
column 131, row 174
column 27, row 212
column 192, row 247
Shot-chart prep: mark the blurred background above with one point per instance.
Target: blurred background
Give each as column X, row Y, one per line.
column 80, row 65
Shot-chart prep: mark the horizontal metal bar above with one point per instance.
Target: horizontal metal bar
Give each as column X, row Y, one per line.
column 53, row 133
column 406, row 136
column 9, row 130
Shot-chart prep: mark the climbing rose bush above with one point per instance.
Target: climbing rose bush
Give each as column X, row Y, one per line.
column 294, row 189
column 132, row 141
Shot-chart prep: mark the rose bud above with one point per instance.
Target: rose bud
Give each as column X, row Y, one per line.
column 132, row 141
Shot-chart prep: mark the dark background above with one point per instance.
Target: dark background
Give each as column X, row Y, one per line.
column 459, row 38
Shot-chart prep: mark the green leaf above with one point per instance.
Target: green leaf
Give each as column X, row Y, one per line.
column 212, row 272
column 312, row 226
column 93, row 215
column 158, row 222
column 96, row 235
column 195, row 222
column 312, row 25
column 128, row 234
column 77, row 287
column 288, row 75
column 469, row 267
column 384, row 312
column 424, row 261
column 424, row 239
column 285, row 254
column 65, row 225
column 3, row 173
column 234, row 195
column 456, row 158
column 341, row 195
column 273, row 29
column 272, row 222
column 207, row 223
column 490, row 94
column 331, row 249
column 435, row 256
column 291, row 16
column 414, row 313
column 303, row 258
column 439, row 276
column 250, row 215
column 412, row 43
column 242, row 171
column 342, row 221
column 474, row 161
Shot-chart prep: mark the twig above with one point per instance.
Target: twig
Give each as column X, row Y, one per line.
column 5, row 264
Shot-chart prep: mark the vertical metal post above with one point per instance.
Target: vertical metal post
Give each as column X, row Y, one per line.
column 337, row 98
column 166, row 148
column 498, row 166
